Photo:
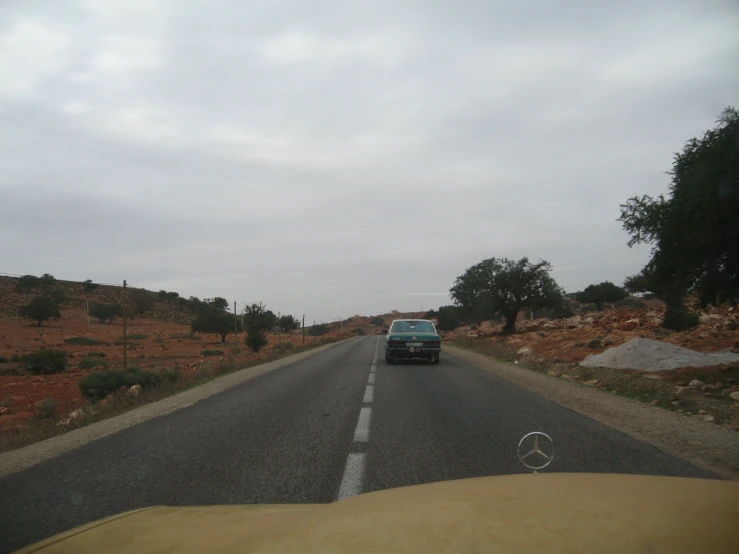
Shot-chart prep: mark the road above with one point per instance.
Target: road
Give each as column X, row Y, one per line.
column 326, row 427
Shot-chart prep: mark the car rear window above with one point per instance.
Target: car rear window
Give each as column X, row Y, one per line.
column 413, row 327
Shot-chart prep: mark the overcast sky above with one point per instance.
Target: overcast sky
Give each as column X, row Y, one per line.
column 333, row 158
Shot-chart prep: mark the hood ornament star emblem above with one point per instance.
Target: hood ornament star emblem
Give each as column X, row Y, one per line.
column 539, row 448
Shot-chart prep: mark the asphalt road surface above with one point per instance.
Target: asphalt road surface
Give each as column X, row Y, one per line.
column 327, row 427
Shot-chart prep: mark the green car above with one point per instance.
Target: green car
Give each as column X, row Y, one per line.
column 412, row 338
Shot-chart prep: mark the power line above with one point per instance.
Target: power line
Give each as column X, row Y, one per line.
column 95, row 282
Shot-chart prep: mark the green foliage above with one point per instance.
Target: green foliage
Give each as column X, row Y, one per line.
column 88, row 285
column 15, row 358
column 679, row 319
column 40, row 309
column 142, row 301
column 44, row 361
column 95, row 355
column 318, row 330
column 82, row 341
column 99, row 384
column 257, row 320
column 27, row 283
column 218, row 303
column 507, row 286
column 287, row 323
column 47, row 281
column 694, row 230
column 213, row 352
column 46, row 408
column 106, row 313
column 164, row 296
column 216, row 321
column 595, row 343
column 3, row 359
column 377, row 321
column 135, row 336
column 450, row 317
column 92, row 363
column 358, row 331
column 601, row 293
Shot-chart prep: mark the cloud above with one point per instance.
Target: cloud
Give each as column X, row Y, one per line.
column 343, row 158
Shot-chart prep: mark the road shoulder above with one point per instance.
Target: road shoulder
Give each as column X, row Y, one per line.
column 23, row 458
column 703, row 444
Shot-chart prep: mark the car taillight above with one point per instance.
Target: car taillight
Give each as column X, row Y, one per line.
column 434, row 343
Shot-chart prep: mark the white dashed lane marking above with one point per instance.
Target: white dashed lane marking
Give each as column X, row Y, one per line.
column 361, row 433
column 369, row 393
column 351, row 483
column 371, row 380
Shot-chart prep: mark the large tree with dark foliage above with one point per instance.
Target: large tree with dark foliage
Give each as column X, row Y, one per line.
column 142, row 301
column 213, row 320
column 40, row 309
column 694, row 232
column 507, row 287
column 287, row 323
column 106, row 313
column 601, row 293
column 450, row 317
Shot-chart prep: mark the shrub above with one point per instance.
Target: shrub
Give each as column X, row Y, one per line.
column 95, row 355
column 44, row 361
column 3, row 359
column 27, row 283
column 100, row 384
column 358, row 331
column 595, row 343
column 631, row 302
column 15, row 358
column 92, row 363
column 679, row 319
column 284, row 347
column 142, row 301
column 82, row 341
column 46, row 408
column 135, row 336
column 212, row 353
column 212, row 320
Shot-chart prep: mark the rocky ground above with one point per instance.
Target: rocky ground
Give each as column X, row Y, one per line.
column 557, row 346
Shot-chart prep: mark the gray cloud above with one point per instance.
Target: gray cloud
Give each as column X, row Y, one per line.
column 336, row 158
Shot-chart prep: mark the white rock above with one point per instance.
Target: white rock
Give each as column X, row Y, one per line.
column 524, row 351
column 134, row 390
column 708, row 417
column 696, row 383
column 734, row 395
column 592, row 382
column 652, row 376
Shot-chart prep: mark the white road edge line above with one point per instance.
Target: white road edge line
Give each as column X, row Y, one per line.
column 361, row 434
column 371, row 380
column 351, row 483
column 369, row 394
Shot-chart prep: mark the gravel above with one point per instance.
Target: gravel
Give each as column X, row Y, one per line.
column 653, row 355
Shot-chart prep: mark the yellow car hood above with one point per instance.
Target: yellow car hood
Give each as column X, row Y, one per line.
column 549, row 513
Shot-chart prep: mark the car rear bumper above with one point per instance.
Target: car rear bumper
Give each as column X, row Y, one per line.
column 406, row 353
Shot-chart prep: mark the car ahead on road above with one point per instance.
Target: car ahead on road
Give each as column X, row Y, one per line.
column 412, row 339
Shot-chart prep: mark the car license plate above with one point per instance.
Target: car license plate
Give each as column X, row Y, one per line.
column 415, row 344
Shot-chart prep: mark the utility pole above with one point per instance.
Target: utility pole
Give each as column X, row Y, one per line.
column 88, row 311
column 279, row 328
column 236, row 324
column 125, row 349
column 303, row 328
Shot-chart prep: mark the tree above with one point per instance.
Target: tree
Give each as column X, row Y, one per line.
column 694, row 232
column 601, row 293
column 450, row 317
column 106, row 313
column 27, row 283
column 40, row 309
column 217, row 302
column 214, row 321
column 377, row 321
column 47, row 281
column 142, row 301
column 257, row 320
column 287, row 323
column 88, row 285
column 507, row 287
column 318, row 330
